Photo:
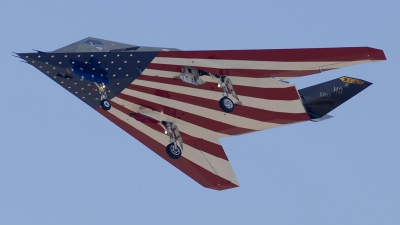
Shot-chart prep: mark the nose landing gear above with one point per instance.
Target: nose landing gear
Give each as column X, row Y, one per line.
column 104, row 103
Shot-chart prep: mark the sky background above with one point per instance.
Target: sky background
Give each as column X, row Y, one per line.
column 63, row 163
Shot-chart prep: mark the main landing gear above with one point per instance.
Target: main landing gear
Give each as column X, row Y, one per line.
column 104, row 103
column 225, row 103
column 193, row 76
column 175, row 139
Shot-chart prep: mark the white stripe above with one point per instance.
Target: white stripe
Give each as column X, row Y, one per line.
column 185, row 127
column 286, row 106
column 255, row 65
column 210, row 114
column 221, row 168
column 209, row 162
column 242, row 81
column 287, row 78
column 344, row 64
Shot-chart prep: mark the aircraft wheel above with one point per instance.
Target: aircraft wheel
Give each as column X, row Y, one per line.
column 226, row 104
column 173, row 152
column 105, row 104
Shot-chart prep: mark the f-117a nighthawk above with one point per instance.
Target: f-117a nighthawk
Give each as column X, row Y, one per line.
column 180, row 103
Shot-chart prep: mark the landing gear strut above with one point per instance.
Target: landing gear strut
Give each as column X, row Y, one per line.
column 226, row 103
column 175, row 139
column 104, row 103
column 193, row 76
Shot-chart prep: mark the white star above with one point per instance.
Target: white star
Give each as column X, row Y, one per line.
column 39, row 56
column 118, row 55
column 73, row 62
column 138, row 61
column 79, row 56
column 119, row 68
column 59, row 62
column 91, row 55
column 125, row 61
column 52, row 56
column 65, row 56
column 105, row 55
column 99, row 62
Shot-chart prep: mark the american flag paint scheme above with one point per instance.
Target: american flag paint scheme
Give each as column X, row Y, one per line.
column 180, row 103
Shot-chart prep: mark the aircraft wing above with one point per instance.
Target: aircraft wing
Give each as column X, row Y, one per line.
column 279, row 63
column 203, row 159
column 144, row 90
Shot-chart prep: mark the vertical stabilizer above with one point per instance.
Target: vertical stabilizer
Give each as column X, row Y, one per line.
column 322, row 98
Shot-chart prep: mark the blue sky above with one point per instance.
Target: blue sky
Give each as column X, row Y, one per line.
column 63, row 163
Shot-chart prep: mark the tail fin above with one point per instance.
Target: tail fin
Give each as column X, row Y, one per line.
column 322, row 98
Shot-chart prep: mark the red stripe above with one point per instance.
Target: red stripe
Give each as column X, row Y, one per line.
column 197, row 143
column 188, row 117
column 244, row 111
column 239, row 72
column 284, row 55
column 194, row 171
column 289, row 93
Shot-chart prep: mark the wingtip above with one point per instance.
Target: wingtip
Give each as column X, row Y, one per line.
column 376, row 54
column 225, row 186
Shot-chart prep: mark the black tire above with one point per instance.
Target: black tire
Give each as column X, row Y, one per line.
column 226, row 104
column 105, row 104
column 173, row 152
